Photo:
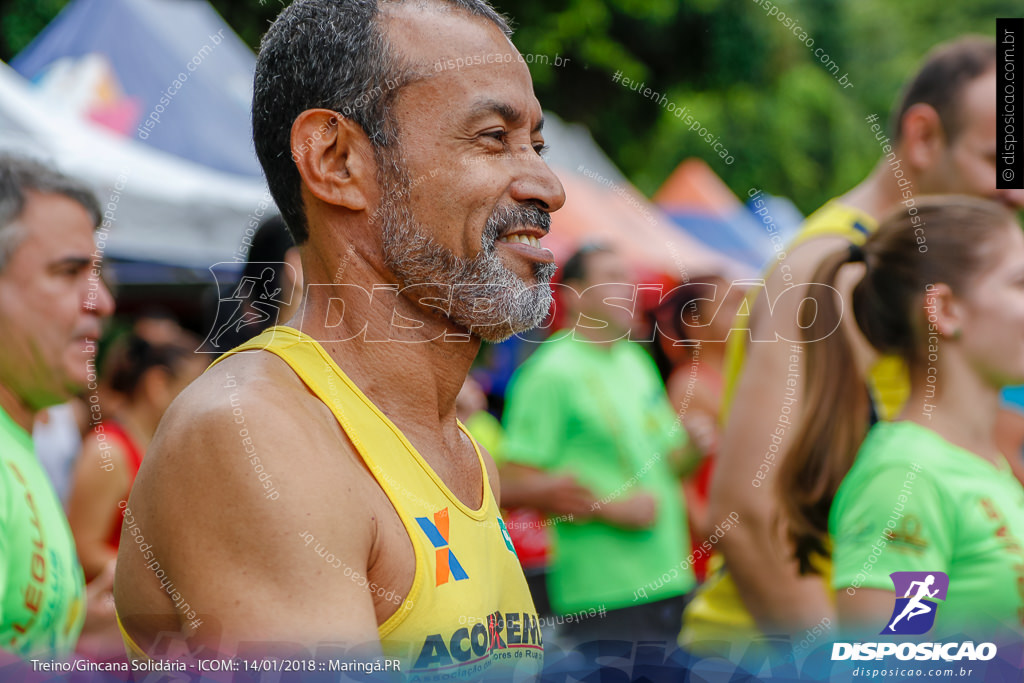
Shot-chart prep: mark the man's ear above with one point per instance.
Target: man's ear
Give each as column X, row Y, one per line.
column 334, row 158
column 922, row 136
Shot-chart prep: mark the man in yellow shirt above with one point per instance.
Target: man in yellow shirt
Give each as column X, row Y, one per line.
column 318, row 487
column 943, row 140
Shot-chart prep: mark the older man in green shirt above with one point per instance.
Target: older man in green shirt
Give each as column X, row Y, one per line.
column 51, row 304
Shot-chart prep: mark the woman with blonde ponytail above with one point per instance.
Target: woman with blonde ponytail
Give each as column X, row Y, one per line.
column 943, row 288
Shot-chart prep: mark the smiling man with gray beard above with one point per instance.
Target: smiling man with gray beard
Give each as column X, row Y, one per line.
column 359, row 436
column 436, row 274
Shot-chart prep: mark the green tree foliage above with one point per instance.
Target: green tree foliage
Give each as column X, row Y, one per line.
column 21, row 20
column 748, row 78
column 744, row 75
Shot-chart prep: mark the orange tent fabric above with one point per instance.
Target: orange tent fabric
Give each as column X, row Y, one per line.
column 599, row 210
column 693, row 186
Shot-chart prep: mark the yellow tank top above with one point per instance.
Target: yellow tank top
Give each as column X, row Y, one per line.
column 469, row 611
column 717, row 613
column 888, row 380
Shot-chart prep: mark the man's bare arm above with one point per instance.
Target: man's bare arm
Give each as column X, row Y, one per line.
column 560, row 494
column 754, row 441
column 555, row 494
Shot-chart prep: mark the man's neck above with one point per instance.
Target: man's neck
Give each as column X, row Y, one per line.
column 880, row 193
column 22, row 415
column 372, row 334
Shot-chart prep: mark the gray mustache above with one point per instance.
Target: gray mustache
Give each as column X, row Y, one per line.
column 505, row 219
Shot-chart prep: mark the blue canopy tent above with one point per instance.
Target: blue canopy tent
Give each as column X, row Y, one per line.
column 697, row 201
column 732, row 238
column 151, row 44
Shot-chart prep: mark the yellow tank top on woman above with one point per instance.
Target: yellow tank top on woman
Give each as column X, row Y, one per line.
column 469, row 611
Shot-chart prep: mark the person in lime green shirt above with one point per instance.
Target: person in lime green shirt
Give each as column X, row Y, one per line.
column 590, row 414
column 913, row 501
column 929, row 491
column 43, row 604
column 51, row 305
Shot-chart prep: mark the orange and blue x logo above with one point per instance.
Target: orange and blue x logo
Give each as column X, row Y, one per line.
column 437, row 533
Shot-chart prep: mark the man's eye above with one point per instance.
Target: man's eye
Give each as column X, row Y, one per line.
column 498, row 135
column 541, row 149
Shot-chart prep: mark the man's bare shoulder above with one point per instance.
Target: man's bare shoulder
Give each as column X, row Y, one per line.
column 248, row 423
column 787, row 285
column 803, row 260
column 244, row 390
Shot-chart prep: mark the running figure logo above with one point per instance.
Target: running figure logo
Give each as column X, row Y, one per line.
column 254, row 303
column 914, row 613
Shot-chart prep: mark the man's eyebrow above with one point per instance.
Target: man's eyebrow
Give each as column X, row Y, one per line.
column 78, row 262
column 504, row 110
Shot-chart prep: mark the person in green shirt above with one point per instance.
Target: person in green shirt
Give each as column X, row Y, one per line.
column 51, row 305
column 589, row 426
column 929, row 491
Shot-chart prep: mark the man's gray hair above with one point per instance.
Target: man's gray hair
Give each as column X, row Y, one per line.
column 19, row 175
column 328, row 54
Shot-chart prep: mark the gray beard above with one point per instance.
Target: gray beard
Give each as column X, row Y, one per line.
column 487, row 299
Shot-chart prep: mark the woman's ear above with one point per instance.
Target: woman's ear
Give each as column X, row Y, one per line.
column 334, row 158
column 943, row 311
